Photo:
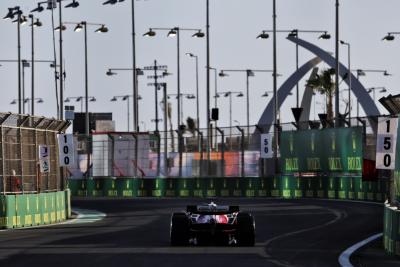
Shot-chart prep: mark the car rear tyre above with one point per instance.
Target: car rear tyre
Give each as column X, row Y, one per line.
column 179, row 229
column 246, row 230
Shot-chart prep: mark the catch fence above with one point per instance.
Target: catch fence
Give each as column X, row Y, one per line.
column 21, row 136
column 233, row 152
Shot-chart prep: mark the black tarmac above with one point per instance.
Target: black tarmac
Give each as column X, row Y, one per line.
column 135, row 232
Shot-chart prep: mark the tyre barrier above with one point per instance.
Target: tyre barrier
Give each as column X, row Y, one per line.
column 25, row 210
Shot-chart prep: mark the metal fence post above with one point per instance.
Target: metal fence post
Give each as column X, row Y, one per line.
column 21, row 158
column 222, row 151
column 112, row 154
column 136, row 155
column 157, row 133
column 261, row 162
column 180, row 139
column 49, row 173
column 135, row 173
column 200, row 150
column 242, row 149
column 3, row 162
column 36, row 162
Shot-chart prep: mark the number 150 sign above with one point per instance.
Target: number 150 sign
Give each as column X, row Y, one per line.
column 386, row 143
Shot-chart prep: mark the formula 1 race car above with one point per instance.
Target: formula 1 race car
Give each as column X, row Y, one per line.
column 212, row 224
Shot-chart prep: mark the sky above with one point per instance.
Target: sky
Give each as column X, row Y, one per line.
column 235, row 25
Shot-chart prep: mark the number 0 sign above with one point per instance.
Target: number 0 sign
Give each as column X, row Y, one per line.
column 386, row 143
column 266, row 146
column 66, row 148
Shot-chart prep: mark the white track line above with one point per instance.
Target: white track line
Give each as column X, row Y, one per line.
column 344, row 258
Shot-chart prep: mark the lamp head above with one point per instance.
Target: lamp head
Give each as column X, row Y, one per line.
column 78, row 27
column 110, row 73
column 114, row 98
column 102, row 29
column 150, row 33
column 139, row 71
column 222, row 74
column 25, row 64
column 10, row 14
column 38, row 9
column 240, row 94
column 385, row 73
column 263, row 35
column 37, row 23
column 265, row 94
column 74, row 4
column 293, row 33
column 250, row 73
column 325, row 36
column 166, row 73
column 360, row 72
column 198, row 34
column 111, row 2
column 63, row 28
column 92, row 99
column 173, row 32
column 388, row 37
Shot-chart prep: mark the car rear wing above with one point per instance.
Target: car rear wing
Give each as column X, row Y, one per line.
column 200, row 209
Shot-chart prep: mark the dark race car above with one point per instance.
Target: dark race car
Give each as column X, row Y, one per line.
column 211, row 223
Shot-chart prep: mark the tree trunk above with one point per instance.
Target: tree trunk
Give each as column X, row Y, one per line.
column 330, row 107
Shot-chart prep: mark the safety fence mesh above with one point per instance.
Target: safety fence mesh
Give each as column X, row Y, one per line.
column 20, row 137
column 224, row 152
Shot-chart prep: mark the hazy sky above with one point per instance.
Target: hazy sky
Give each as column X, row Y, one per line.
column 234, row 27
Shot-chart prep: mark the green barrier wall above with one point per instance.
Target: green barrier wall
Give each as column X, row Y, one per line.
column 34, row 209
column 285, row 186
column 391, row 231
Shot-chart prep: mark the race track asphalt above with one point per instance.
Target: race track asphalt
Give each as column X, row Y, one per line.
column 135, row 232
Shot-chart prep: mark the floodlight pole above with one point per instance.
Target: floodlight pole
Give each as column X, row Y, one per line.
column 276, row 121
column 337, row 111
column 208, row 84
column 19, row 63
column 61, row 112
column 135, row 90
column 32, row 67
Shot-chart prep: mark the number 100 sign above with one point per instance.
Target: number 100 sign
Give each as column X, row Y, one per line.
column 66, row 148
column 386, row 143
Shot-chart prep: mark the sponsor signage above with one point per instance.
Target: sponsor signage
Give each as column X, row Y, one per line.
column 44, row 158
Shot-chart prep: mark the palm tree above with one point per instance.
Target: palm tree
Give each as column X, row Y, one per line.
column 191, row 125
column 324, row 84
column 171, row 129
column 169, row 119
